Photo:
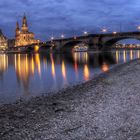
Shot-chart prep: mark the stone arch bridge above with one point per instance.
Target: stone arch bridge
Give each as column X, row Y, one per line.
column 94, row 41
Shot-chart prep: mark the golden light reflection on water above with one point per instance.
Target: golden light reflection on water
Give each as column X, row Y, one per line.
column 77, row 67
column 19, row 64
column 86, row 72
column 38, row 63
column 32, row 65
column 117, row 56
column 138, row 53
column 3, row 63
column 75, row 56
column 85, row 57
column 80, row 57
column 36, row 48
column 131, row 55
column 105, row 67
column 124, row 56
column 23, row 70
column 127, row 55
column 53, row 66
column 26, row 63
column 64, row 72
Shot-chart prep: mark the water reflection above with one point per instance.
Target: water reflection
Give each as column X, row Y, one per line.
column 124, row 56
column 33, row 74
column 53, row 66
column 3, row 64
column 80, row 57
column 37, row 62
column 131, row 55
column 23, row 70
column 64, row 72
column 86, row 72
column 105, row 67
column 117, row 56
column 138, row 54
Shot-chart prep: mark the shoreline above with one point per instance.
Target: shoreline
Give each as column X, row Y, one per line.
column 68, row 111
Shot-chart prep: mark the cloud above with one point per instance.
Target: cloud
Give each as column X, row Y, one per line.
column 47, row 17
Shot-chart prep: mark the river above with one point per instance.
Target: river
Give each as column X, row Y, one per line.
column 27, row 75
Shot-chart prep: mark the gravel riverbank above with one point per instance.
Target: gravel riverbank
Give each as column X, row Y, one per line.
column 107, row 108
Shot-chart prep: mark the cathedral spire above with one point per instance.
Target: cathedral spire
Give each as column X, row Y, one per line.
column 17, row 29
column 17, row 26
column 24, row 24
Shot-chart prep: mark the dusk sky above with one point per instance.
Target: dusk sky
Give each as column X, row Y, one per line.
column 47, row 17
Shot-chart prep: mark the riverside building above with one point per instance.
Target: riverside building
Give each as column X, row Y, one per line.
column 22, row 36
column 3, row 41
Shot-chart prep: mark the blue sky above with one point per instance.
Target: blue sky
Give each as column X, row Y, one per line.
column 47, row 17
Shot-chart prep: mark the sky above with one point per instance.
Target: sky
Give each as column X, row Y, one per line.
column 69, row 17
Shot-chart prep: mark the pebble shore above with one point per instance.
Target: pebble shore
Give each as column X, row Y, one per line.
column 105, row 108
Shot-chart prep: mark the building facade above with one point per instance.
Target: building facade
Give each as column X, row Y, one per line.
column 22, row 36
column 3, row 42
column 11, row 43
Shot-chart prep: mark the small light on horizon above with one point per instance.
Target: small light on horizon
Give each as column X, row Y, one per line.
column 114, row 33
column 104, row 30
column 85, row 32
column 52, row 38
column 138, row 27
column 62, row 36
column 75, row 37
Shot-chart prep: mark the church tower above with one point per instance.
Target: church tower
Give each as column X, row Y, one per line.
column 24, row 27
column 23, row 36
column 17, row 30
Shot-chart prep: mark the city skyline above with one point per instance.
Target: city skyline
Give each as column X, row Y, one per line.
column 48, row 18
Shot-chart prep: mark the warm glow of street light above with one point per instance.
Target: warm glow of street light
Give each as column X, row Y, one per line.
column 114, row 33
column 36, row 48
column 75, row 37
column 52, row 38
column 85, row 32
column 104, row 30
column 62, row 36
column 138, row 27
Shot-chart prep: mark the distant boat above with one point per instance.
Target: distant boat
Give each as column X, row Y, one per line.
column 80, row 48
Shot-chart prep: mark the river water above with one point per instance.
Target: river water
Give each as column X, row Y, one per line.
column 26, row 75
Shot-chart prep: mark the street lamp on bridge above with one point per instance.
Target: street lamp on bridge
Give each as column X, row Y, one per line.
column 138, row 27
column 115, row 33
column 62, row 36
column 85, row 33
column 104, row 30
column 52, row 38
column 75, row 37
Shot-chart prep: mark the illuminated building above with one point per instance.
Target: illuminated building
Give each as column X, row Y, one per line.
column 3, row 41
column 23, row 37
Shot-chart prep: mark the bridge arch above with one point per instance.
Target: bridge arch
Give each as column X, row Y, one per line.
column 109, row 43
column 44, row 48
